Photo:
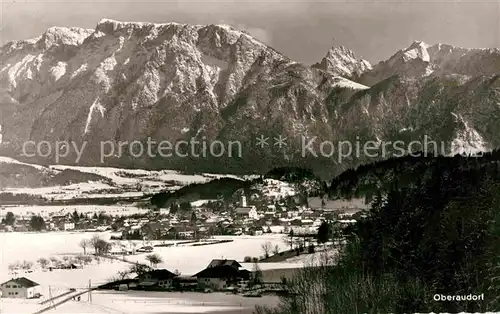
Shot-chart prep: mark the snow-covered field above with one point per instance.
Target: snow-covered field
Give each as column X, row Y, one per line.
column 188, row 259
column 138, row 302
column 19, row 246
column 80, row 190
column 191, row 259
column 45, row 211
column 157, row 302
column 123, row 182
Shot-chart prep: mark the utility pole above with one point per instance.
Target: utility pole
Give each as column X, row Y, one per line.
column 50, row 297
column 90, row 292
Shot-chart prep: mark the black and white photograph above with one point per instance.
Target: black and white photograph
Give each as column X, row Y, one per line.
column 249, row 157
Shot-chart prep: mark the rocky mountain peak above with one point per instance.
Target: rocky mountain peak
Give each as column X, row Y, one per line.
column 341, row 61
column 417, row 50
column 55, row 36
column 421, row 60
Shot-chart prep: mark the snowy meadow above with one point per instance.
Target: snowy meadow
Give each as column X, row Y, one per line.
column 185, row 258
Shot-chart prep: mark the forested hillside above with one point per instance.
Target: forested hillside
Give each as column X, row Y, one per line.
column 434, row 228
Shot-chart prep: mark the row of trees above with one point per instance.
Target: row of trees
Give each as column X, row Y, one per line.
column 9, row 219
column 54, row 261
column 102, row 247
column 99, row 245
column 37, row 223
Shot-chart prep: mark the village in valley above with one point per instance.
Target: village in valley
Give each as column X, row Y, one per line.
column 250, row 244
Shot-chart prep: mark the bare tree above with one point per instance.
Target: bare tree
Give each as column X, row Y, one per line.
column 103, row 247
column 95, row 242
column 84, row 244
column 43, row 262
column 266, row 247
column 139, row 269
column 14, row 266
column 54, row 260
column 79, row 259
column 276, row 249
column 123, row 274
column 27, row 265
column 257, row 275
column 289, row 239
column 308, row 290
column 154, row 259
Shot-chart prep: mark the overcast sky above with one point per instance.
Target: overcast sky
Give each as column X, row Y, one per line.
column 303, row 30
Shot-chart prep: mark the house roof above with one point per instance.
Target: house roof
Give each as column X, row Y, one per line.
column 23, row 282
column 245, row 274
column 243, row 210
column 223, row 262
column 225, row 271
column 160, row 274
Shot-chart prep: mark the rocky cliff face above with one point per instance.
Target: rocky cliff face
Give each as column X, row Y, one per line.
column 125, row 82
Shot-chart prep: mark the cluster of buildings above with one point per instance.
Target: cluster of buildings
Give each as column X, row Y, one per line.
column 201, row 221
column 242, row 218
column 219, row 275
column 51, row 222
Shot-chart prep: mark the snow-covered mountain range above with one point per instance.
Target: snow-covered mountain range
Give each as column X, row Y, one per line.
column 421, row 60
column 128, row 81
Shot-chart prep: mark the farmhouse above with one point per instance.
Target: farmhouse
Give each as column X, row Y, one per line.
column 156, row 279
column 20, row 288
column 221, row 274
column 224, row 262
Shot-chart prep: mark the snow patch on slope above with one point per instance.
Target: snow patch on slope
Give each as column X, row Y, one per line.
column 345, row 83
column 467, row 141
column 95, row 107
column 81, row 69
column 8, row 160
column 59, row 70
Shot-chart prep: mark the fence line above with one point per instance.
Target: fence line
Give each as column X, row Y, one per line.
column 64, row 301
column 58, row 296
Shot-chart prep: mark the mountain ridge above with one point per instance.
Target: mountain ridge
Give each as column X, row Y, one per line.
column 131, row 81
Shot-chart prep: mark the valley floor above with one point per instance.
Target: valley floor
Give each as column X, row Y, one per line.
column 188, row 260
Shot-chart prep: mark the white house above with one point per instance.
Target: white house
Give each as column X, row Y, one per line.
column 69, row 226
column 19, row 288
